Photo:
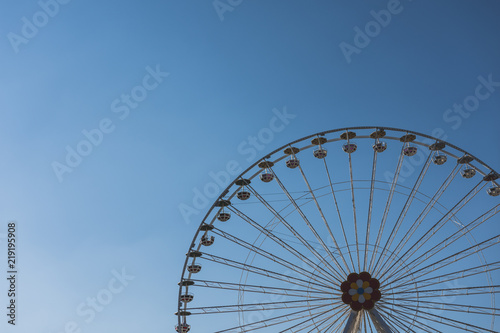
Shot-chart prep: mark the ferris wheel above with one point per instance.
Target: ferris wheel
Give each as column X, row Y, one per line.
column 362, row 229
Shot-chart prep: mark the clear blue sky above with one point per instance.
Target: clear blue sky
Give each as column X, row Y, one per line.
column 176, row 89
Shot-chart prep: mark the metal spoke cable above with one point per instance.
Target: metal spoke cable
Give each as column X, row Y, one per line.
column 404, row 211
column 338, row 212
column 389, row 323
column 456, row 291
column 453, row 238
column 265, row 272
column 452, row 258
column 272, row 257
column 342, row 322
column 313, row 230
column 271, row 321
column 370, row 207
column 366, row 322
column 436, row 227
column 450, row 322
column 305, row 323
column 395, row 323
column 264, row 306
column 265, row 289
column 386, row 210
column 464, row 308
column 434, row 200
column 404, row 316
column 353, row 206
column 283, row 244
column 461, row 274
column 324, row 220
column 297, row 234
column 400, row 322
column 328, row 321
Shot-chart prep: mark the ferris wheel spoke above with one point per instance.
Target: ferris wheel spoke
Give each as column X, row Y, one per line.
column 276, row 239
column 463, row 308
column 370, row 208
column 367, row 322
column 353, row 199
column 265, row 272
column 326, row 224
column 272, row 321
column 395, row 322
column 457, row 275
column 308, row 322
column 265, row 306
column 338, row 212
column 298, row 235
column 311, row 227
column 405, row 316
column 291, row 292
column 387, row 206
column 328, row 321
column 273, row 258
column 450, row 259
column 420, row 218
column 438, row 225
column 341, row 323
column 404, row 211
column 399, row 322
column 381, row 324
column 457, row 291
column 341, row 318
column 457, row 324
column 429, row 254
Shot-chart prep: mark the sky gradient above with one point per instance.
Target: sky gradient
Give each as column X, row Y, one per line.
column 114, row 115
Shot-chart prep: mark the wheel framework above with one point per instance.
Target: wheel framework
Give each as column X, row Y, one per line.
column 309, row 264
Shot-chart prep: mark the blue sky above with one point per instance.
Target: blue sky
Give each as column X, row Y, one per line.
column 119, row 206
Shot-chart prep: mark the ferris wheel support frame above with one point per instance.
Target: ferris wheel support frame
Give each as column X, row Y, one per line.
column 354, row 322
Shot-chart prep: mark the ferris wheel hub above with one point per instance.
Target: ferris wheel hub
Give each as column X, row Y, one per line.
column 360, row 291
